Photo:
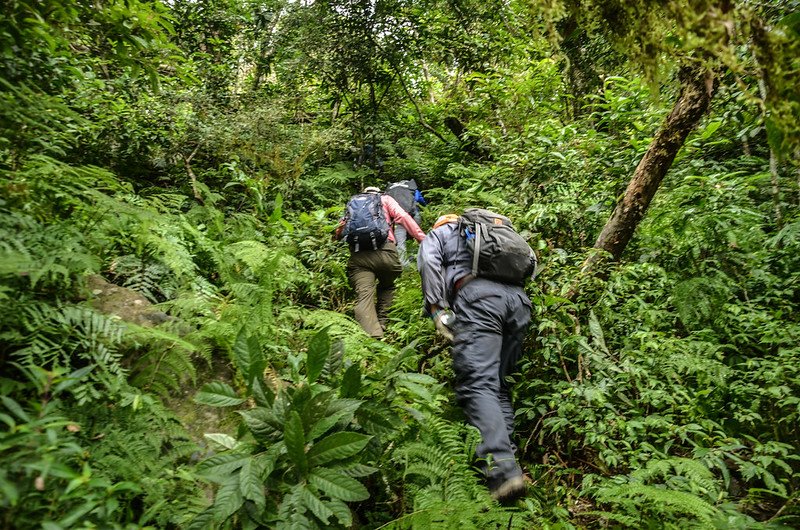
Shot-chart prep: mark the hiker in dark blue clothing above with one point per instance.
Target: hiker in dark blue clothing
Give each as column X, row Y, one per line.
column 485, row 319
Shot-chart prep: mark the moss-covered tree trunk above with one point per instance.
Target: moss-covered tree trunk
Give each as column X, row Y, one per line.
column 697, row 88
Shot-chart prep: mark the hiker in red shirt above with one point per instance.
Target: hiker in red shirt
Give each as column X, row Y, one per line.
column 373, row 254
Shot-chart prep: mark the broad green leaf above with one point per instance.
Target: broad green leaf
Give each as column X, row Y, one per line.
column 73, row 378
column 217, row 394
column 336, row 355
column 59, row 469
column 222, row 464
column 315, row 408
column 251, row 485
column 14, row 408
column 343, row 415
column 318, row 350
column 421, row 379
column 315, row 504
column 351, row 382
column 337, row 485
column 597, row 332
column 289, row 227
column 583, row 344
column 417, row 390
column 341, row 511
column 294, row 438
column 263, row 423
column 203, row 520
column 395, row 362
column 775, row 134
column 248, row 356
column 343, row 404
column 276, row 213
column 78, row 513
column 376, row 421
column 266, row 461
column 74, row 484
column 791, row 21
column 357, row 470
column 291, row 503
column 336, row 447
column 125, row 486
column 300, row 397
column 262, row 393
column 710, row 129
column 298, row 521
column 228, row 499
column 9, row 491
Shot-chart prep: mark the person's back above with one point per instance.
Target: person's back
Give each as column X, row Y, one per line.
column 403, row 193
column 407, row 195
column 367, row 227
column 373, row 257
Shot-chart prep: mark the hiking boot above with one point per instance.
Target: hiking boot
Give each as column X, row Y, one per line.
column 510, row 490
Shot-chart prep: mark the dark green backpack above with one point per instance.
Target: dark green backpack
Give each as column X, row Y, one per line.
column 498, row 252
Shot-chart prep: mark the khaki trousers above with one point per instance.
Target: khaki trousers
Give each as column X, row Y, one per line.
column 363, row 270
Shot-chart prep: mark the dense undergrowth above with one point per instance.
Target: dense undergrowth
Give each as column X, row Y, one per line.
column 664, row 394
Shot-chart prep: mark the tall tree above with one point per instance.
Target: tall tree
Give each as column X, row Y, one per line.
column 697, row 89
column 698, row 33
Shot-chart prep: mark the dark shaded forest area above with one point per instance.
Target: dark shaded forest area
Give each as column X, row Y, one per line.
column 177, row 340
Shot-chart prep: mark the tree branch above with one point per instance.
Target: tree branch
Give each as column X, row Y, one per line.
column 422, row 121
column 187, row 162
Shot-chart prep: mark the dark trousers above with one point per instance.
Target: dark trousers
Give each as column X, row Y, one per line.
column 490, row 324
column 363, row 270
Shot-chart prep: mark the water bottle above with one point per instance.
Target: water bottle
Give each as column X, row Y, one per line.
column 448, row 318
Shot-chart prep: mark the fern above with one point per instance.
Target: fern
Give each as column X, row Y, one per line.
column 445, row 489
column 440, row 458
column 462, row 515
column 43, row 257
column 341, row 327
column 677, row 492
column 164, row 361
column 147, row 446
column 73, row 337
column 699, row 301
column 692, row 474
column 145, row 276
column 57, row 187
column 677, row 506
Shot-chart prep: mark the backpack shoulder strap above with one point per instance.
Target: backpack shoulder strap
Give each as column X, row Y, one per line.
column 477, row 251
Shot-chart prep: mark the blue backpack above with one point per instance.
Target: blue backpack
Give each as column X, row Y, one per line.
column 366, row 227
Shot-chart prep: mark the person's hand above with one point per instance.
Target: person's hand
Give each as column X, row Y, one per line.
column 443, row 319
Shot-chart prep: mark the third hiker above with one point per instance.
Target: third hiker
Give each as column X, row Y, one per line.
column 407, row 195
